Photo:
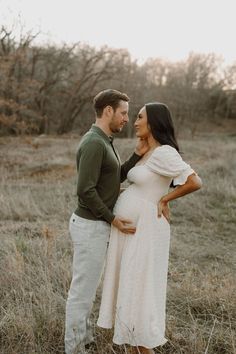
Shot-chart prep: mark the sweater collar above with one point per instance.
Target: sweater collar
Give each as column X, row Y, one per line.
column 100, row 132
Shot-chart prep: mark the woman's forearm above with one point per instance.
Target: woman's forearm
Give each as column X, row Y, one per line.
column 192, row 184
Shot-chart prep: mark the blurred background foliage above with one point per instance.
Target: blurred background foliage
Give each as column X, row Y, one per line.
column 49, row 89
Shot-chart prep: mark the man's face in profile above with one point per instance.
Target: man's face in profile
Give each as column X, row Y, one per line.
column 120, row 117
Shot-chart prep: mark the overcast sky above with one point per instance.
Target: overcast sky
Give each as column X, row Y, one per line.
column 147, row 28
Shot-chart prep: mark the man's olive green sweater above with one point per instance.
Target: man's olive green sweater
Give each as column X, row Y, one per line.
column 99, row 175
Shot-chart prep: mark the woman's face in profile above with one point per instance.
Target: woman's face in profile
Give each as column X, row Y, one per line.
column 141, row 124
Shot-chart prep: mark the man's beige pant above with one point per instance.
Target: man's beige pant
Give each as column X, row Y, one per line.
column 90, row 240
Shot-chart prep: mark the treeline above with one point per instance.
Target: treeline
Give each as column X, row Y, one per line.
column 49, row 89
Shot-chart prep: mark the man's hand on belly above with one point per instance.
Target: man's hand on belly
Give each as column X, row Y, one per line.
column 124, row 225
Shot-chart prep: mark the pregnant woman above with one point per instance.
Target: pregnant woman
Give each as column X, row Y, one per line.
column 134, row 290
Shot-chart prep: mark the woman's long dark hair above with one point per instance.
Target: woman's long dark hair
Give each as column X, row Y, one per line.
column 161, row 124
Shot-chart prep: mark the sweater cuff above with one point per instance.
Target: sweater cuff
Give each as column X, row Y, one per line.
column 109, row 216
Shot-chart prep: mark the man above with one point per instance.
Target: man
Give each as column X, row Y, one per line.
column 99, row 176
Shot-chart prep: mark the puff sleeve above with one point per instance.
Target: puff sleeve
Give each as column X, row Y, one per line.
column 166, row 161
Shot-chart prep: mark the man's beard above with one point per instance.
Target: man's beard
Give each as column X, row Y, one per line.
column 114, row 128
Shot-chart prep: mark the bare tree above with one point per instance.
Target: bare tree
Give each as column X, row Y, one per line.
column 50, row 89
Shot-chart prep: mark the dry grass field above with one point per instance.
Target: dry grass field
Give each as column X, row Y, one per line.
column 37, row 196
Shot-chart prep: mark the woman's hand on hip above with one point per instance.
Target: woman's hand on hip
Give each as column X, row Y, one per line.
column 163, row 209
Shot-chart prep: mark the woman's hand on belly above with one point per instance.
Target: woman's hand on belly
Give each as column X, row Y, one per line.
column 124, row 225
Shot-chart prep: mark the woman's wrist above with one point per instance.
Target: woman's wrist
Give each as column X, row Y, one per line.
column 164, row 199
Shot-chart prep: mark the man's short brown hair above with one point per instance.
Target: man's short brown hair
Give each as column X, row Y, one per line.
column 106, row 98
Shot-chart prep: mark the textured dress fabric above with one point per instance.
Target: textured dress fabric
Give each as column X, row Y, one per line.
column 135, row 279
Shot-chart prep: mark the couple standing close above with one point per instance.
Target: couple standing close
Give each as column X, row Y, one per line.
column 136, row 221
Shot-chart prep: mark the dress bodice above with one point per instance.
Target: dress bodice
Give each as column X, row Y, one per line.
column 146, row 184
column 151, row 180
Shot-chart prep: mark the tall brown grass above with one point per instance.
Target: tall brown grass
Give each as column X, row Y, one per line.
column 38, row 185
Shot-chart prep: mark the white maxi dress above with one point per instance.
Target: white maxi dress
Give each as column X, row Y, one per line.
column 135, row 279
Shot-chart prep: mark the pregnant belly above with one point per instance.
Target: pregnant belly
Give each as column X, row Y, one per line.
column 128, row 206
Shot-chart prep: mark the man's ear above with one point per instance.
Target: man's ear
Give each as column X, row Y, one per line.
column 108, row 110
